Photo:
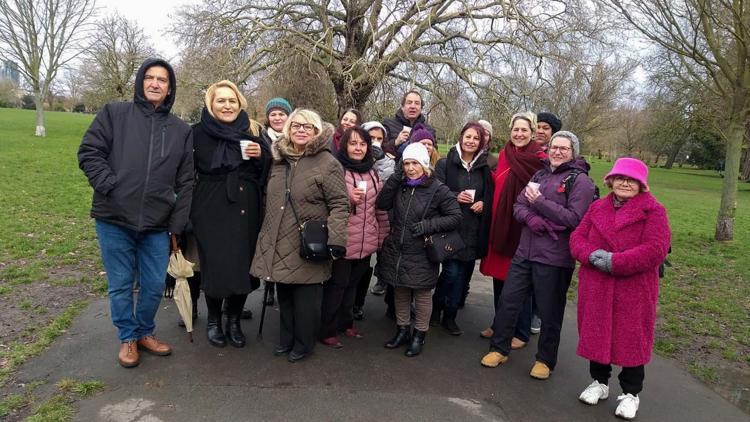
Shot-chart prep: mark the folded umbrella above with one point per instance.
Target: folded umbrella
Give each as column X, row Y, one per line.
column 180, row 268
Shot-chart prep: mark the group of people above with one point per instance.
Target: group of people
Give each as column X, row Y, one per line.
column 244, row 193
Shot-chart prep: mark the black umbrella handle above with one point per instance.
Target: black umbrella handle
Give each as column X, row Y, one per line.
column 263, row 311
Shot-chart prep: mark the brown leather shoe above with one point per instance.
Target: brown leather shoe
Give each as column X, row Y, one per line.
column 486, row 333
column 517, row 343
column 154, row 346
column 128, row 356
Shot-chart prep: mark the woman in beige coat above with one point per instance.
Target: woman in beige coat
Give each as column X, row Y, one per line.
column 317, row 190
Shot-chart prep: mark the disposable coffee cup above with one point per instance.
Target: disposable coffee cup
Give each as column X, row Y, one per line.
column 243, row 145
column 471, row 193
column 362, row 184
column 406, row 129
column 534, row 186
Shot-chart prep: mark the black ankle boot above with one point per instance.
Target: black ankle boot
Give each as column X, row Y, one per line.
column 417, row 341
column 234, row 333
column 401, row 338
column 215, row 334
column 449, row 324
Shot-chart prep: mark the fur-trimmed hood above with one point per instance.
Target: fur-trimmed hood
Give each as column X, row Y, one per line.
column 283, row 148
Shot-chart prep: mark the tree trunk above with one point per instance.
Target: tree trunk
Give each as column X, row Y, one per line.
column 672, row 156
column 39, row 103
column 735, row 136
column 746, row 165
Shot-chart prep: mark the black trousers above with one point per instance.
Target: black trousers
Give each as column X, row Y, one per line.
column 234, row 305
column 338, row 295
column 549, row 285
column 299, row 309
column 363, row 285
column 631, row 378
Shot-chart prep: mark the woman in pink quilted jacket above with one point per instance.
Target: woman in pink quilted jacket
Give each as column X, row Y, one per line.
column 621, row 242
column 366, row 230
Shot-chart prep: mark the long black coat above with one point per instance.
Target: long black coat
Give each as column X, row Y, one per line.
column 474, row 227
column 403, row 261
column 227, row 214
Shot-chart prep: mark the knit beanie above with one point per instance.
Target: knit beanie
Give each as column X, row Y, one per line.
column 632, row 168
column 486, row 125
column 420, row 133
column 418, row 152
column 550, row 119
column 279, row 103
column 573, row 140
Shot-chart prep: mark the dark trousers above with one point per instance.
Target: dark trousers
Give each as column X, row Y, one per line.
column 299, row 314
column 450, row 287
column 363, row 285
column 550, row 285
column 631, row 378
column 338, row 295
column 467, row 284
column 234, row 305
column 523, row 325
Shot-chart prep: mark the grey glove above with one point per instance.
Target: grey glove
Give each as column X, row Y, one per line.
column 602, row 260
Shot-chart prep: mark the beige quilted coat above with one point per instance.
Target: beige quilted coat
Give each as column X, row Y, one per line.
column 317, row 184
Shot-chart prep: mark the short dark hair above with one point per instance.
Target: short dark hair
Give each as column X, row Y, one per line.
column 412, row 91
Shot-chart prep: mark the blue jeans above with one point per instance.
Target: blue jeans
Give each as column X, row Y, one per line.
column 125, row 252
column 450, row 286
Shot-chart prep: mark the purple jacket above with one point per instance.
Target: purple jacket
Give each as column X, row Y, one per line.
column 556, row 207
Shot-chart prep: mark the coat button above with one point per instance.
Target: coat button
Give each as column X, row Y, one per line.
column 282, row 207
column 242, row 212
column 242, row 188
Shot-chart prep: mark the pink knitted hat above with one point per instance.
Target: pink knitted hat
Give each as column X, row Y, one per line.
column 630, row 167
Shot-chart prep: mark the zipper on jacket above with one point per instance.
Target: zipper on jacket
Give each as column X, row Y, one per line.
column 403, row 231
column 163, row 136
column 364, row 219
column 148, row 174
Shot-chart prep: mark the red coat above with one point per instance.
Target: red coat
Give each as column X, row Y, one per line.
column 617, row 311
column 494, row 264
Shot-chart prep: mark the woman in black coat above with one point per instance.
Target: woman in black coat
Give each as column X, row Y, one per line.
column 419, row 205
column 231, row 162
column 466, row 173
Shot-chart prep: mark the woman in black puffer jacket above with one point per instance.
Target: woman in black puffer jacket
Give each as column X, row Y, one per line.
column 467, row 175
column 404, row 264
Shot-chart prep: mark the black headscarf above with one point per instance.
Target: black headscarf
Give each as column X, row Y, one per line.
column 227, row 153
column 357, row 166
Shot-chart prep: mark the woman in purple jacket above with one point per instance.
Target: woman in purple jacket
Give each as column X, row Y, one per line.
column 549, row 208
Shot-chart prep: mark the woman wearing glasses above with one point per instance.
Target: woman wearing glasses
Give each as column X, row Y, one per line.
column 621, row 242
column 549, row 208
column 314, row 181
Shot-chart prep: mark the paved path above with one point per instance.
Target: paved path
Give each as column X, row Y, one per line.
column 361, row 382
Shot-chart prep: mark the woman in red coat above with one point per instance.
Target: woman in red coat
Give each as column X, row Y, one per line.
column 620, row 243
column 516, row 163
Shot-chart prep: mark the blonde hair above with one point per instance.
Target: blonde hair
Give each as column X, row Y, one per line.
column 524, row 115
column 211, row 93
column 307, row 116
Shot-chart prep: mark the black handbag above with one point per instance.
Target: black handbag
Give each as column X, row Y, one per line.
column 313, row 234
column 441, row 246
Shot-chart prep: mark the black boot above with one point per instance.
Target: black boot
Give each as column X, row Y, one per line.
column 449, row 324
column 215, row 334
column 401, row 338
column 417, row 341
column 233, row 330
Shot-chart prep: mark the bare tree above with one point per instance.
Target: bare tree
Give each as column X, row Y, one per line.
column 360, row 43
column 42, row 36
column 111, row 61
column 710, row 39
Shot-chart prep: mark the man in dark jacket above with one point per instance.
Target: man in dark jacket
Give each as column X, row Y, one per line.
column 407, row 116
column 139, row 160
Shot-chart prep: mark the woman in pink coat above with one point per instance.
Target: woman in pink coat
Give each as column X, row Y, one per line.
column 367, row 228
column 620, row 243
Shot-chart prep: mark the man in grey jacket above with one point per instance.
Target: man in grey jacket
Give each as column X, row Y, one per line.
column 139, row 159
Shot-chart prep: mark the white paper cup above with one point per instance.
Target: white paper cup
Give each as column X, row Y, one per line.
column 362, row 184
column 243, row 145
column 471, row 193
column 534, row 186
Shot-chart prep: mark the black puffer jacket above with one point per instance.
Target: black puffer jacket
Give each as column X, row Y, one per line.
column 139, row 160
column 474, row 227
column 403, row 261
column 394, row 125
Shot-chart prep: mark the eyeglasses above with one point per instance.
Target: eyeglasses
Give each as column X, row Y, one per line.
column 624, row 180
column 307, row 127
column 559, row 148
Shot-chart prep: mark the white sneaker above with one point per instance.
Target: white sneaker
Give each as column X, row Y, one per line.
column 628, row 406
column 594, row 392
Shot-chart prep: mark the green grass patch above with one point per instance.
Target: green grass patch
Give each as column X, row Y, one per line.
column 59, row 408
column 19, row 352
column 12, row 403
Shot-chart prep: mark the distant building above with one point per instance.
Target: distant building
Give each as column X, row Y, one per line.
column 9, row 71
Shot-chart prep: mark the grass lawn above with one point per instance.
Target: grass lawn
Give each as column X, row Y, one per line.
column 49, row 257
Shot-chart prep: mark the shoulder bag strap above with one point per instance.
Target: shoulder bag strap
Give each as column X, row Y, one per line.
column 289, row 197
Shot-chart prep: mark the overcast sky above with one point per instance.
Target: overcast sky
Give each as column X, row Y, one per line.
column 152, row 15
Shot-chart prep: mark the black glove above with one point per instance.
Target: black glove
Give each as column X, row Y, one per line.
column 337, row 251
column 417, row 229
